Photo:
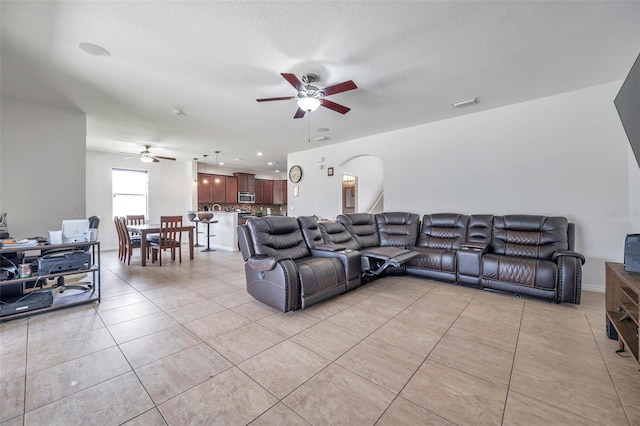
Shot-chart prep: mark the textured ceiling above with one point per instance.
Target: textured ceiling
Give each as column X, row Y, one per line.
column 410, row 60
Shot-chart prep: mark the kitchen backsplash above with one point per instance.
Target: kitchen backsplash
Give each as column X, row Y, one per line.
column 276, row 209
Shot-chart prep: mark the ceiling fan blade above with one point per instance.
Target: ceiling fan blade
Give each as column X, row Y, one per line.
column 164, row 158
column 299, row 113
column 339, row 88
column 284, row 98
column 155, row 160
column 293, row 80
column 334, row 106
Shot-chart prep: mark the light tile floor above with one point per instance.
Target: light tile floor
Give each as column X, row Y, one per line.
column 185, row 344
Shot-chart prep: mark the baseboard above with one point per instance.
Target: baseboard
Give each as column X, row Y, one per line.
column 592, row 287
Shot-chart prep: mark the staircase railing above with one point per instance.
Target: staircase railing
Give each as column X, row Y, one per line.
column 377, row 206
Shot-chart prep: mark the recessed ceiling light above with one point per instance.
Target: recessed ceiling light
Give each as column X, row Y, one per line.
column 94, row 49
column 221, row 163
column 239, row 159
column 465, row 102
column 259, row 154
column 322, row 138
column 323, row 129
column 277, row 171
column 270, row 163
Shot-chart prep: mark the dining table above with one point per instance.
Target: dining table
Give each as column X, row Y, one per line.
column 150, row 228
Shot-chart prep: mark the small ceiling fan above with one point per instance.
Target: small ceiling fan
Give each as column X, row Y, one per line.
column 147, row 156
column 310, row 97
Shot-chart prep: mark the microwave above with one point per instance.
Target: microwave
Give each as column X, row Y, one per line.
column 246, row 197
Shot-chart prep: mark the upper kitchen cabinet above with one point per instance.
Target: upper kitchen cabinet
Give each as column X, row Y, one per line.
column 219, row 190
column 267, row 195
column 232, row 189
column 279, row 192
column 259, row 190
column 246, row 182
column 205, row 189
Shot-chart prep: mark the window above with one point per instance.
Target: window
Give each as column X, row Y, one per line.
column 129, row 192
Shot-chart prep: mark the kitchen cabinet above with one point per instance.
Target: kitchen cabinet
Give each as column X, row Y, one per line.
column 259, row 190
column 231, row 186
column 246, row 182
column 279, row 192
column 205, row 190
column 219, row 189
column 267, row 195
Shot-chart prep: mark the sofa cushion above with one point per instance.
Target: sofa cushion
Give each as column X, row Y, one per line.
column 524, row 271
column 277, row 236
column 443, row 230
column 529, row 236
column 336, row 233
column 435, row 259
column 398, row 229
column 363, row 228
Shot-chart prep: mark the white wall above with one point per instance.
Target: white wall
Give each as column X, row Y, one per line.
column 42, row 167
column 562, row 155
column 170, row 190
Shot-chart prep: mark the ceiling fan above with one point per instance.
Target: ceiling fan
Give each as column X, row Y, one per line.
column 147, row 156
column 309, row 97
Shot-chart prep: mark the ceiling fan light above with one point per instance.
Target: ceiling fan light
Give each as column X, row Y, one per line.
column 146, row 159
column 309, row 104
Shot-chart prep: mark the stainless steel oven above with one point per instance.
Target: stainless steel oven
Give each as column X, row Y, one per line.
column 246, row 197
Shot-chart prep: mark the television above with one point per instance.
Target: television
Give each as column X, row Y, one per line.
column 75, row 230
column 627, row 103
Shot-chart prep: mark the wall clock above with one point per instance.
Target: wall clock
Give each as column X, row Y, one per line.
column 295, row 174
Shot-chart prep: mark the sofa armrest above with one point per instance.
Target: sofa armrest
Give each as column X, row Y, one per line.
column 569, row 276
column 481, row 247
column 262, row 263
column 329, row 247
column 577, row 255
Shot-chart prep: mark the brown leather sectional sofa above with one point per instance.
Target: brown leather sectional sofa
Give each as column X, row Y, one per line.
column 293, row 263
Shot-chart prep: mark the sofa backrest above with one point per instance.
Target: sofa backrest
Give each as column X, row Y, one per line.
column 480, row 229
column 310, row 230
column 398, row 229
column 363, row 228
column 443, row 230
column 529, row 235
column 336, row 233
column 277, row 236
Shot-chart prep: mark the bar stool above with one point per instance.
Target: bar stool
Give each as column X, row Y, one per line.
column 206, row 217
column 193, row 217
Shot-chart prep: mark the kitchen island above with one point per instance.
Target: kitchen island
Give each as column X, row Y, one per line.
column 223, row 234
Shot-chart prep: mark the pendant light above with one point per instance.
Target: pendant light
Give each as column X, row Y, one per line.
column 217, row 164
column 195, row 180
column 205, row 180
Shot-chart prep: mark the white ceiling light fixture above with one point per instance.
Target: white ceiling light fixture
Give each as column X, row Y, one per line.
column 94, row 49
column 465, row 102
column 309, row 104
column 146, row 159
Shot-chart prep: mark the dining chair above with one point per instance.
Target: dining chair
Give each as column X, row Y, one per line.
column 170, row 238
column 130, row 242
column 135, row 219
column 121, row 249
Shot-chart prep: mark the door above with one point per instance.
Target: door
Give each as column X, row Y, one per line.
column 348, row 194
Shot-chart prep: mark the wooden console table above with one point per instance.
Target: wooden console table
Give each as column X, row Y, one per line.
column 622, row 303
